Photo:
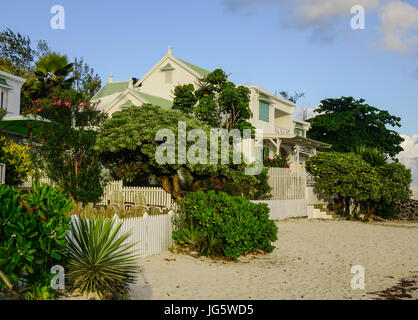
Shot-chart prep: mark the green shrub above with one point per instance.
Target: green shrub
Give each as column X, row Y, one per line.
column 33, row 236
column 252, row 187
column 99, row 261
column 220, row 224
column 17, row 159
column 364, row 179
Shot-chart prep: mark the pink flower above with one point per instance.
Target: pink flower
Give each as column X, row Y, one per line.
column 39, row 110
column 54, row 103
column 59, row 102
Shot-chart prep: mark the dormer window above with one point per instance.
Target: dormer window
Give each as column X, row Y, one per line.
column 168, row 71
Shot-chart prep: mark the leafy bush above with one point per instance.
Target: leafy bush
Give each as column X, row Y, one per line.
column 17, row 159
column 372, row 186
column 220, row 224
column 33, row 235
column 240, row 184
column 99, row 261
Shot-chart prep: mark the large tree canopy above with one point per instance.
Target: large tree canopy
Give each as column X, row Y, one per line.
column 347, row 123
column 217, row 102
column 128, row 146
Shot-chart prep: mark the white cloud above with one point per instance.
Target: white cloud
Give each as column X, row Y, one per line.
column 398, row 30
column 317, row 11
column 318, row 16
column 409, row 157
column 399, row 27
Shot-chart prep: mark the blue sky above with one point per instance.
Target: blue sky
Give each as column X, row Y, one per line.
column 299, row 45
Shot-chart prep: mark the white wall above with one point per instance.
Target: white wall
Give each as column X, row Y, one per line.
column 155, row 84
column 12, row 98
column 283, row 209
column 414, row 192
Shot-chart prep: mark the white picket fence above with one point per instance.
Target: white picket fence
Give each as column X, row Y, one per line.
column 149, row 234
column 154, row 196
column 2, row 173
column 28, row 183
column 288, row 184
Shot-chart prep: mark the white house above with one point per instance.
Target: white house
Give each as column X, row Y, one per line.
column 282, row 133
column 10, row 86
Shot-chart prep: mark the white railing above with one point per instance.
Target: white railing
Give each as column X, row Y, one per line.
column 2, row 173
column 153, row 196
column 288, row 184
column 149, row 234
column 283, row 131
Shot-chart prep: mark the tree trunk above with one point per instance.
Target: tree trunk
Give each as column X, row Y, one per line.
column 347, row 206
column 172, row 186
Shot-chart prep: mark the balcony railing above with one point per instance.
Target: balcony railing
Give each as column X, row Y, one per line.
column 283, row 131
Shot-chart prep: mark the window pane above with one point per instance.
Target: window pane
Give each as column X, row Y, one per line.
column 264, row 112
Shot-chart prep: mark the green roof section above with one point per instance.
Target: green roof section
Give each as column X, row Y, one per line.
column 163, row 103
column 127, row 104
column 201, row 71
column 3, row 82
column 111, row 88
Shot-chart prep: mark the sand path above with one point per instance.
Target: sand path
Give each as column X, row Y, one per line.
column 313, row 260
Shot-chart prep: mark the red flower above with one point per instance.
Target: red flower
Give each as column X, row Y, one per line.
column 287, row 166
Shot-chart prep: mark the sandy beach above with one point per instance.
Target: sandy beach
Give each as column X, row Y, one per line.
column 312, row 260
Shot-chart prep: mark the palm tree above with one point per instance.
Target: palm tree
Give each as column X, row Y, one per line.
column 53, row 70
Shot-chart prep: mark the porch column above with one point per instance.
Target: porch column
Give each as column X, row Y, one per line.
column 279, row 143
column 297, row 153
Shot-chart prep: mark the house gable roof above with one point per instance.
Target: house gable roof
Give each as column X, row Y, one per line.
column 168, row 59
column 134, row 95
column 111, row 88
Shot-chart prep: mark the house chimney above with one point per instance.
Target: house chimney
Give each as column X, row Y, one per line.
column 170, row 51
column 111, row 77
column 131, row 83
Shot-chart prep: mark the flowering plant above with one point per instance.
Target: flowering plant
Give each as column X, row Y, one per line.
column 65, row 107
column 277, row 162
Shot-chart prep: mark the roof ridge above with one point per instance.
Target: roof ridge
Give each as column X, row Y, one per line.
column 199, row 70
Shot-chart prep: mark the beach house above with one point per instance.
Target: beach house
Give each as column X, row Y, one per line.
column 283, row 134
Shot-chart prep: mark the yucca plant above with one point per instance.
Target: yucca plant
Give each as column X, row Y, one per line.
column 372, row 155
column 99, row 261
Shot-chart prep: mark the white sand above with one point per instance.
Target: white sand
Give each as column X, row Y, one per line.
column 313, row 260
